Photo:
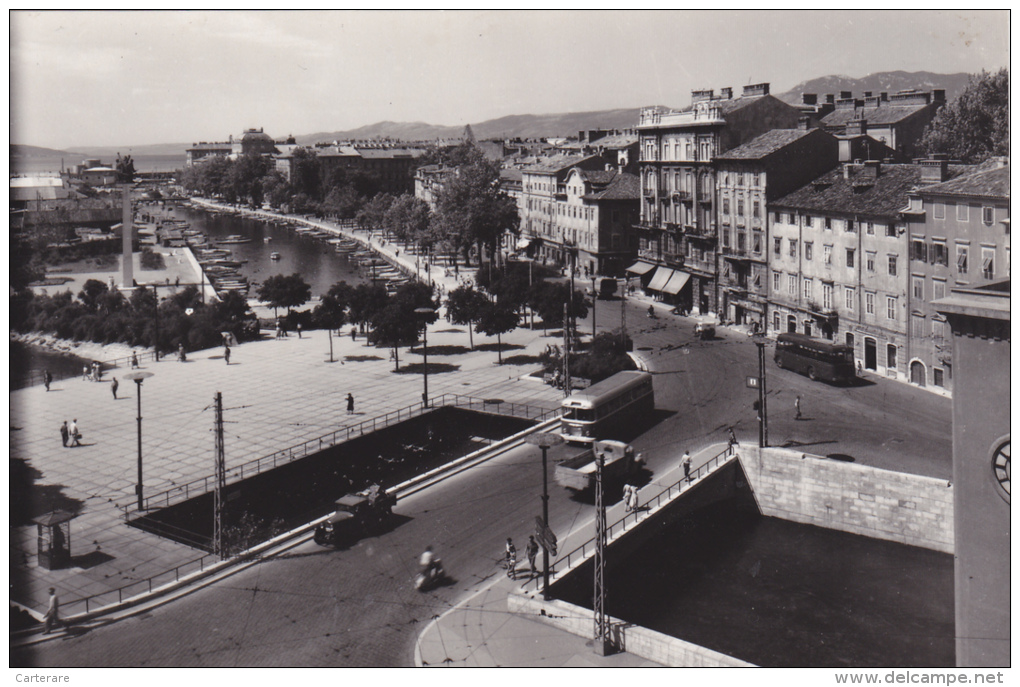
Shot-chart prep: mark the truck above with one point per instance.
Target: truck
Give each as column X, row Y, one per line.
column 355, row 515
column 606, row 290
column 578, row 473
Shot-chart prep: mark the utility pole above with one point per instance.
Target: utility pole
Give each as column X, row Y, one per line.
column 566, row 349
column 763, row 428
column 219, row 494
column 594, row 297
column 623, row 315
column 601, row 639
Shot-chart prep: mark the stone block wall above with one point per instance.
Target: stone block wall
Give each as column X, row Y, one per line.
column 895, row 506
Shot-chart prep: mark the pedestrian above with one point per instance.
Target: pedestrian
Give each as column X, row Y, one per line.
column 733, row 437
column 65, row 433
column 98, row 371
column 354, row 332
column 279, row 332
column 113, row 387
column 532, row 552
column 299, row 330
column 134, row 360
column 796, row 405
column 47, row 379
column 632, row 504
column 226, row 354
column 177, row 281
column 511, row 559
column 685, row 462
column 84, row 373
column 52, row 616
column 350, row 404
column 74, row 433
column 180, row 353
column 626, row 497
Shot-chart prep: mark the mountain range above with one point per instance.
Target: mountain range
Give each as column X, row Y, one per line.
column 547, row 125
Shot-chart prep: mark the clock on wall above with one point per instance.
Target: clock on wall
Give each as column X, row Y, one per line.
column 1000, row 467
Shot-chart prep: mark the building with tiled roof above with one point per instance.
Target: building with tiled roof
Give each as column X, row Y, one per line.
column 958, row 233
column 839, row 259
column 392, row 166
column 678, row 207
column 898, row 120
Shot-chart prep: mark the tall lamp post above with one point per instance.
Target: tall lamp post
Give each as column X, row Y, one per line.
column 545, row 440
column 425, row 314
column 138, row 378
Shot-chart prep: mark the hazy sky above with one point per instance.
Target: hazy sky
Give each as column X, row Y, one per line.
column 93, row 78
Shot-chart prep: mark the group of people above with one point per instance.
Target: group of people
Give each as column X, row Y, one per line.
column 530, row 550
column 70, row 434
column 89, row 373
column 630, row 498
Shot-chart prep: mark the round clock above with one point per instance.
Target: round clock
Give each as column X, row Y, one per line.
column 1000, row 468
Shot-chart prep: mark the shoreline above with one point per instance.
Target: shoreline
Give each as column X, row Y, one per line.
column 82, row 349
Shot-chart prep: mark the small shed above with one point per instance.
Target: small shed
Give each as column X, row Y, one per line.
column 54, row 539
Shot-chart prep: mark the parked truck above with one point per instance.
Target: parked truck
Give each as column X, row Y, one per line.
column 578, row 473
column 356, row 515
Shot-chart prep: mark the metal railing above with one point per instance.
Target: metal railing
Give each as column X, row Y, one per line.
column 35, row 378
column 580, row 553
column 202, row 485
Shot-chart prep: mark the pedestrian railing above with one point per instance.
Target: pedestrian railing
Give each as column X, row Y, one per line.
column 196, row 487
column 37, row 377
column 569, row 560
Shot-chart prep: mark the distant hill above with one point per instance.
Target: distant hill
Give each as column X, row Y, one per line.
column 23, row 151
column 888, row 82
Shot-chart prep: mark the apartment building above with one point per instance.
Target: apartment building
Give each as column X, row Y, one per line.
column 897, row 120
column 678, row 210
column 959, row 238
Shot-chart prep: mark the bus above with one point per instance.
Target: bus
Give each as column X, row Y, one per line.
column 589, row 413
column 815, row 358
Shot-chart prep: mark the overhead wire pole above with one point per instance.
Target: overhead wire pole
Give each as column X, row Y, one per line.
column 219, row 493
column 763, row 423
column 566, row 349
column 601, row 639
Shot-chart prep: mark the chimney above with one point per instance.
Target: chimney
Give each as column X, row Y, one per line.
column 846, row 103
column 755, row 90
column 867, row 94
column 843, row 95
column 939, row 95
column 809, row 98
column 726, row 93
column 857, row 127
column 872, row 101
column 704, row 94
column 830, row 98
column 935, row 169
column 884, row 96
column 804, row 123
column 872, row 169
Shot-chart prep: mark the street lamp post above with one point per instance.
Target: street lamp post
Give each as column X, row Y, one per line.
column 138, row 378
column 545, row 440
column 425, row 313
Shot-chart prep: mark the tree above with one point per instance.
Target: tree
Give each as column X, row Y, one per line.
column 281, row 291
column 407, row 218
column 305, row 174
column 372, row 214
column 975, row 126
column 332, row 308
column 342, row 202
column 398, row 324
column 91, row 291
column 548, row 298
column 464, row 306
column 365, row 301
column 498, row 319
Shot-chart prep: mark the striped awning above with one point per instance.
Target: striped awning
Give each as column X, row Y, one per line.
column 676, row 282
column 641, row 267
column 659, row 279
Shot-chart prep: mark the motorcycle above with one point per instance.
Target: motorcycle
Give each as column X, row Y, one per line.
column 431, row 577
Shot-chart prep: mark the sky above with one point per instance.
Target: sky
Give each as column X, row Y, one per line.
column 108, row 78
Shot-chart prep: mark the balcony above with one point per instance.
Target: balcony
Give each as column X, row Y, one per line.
column 648, row 191
column 681, row 196
column 733, row 253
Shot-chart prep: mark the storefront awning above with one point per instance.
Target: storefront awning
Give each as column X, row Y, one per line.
column 641, row 267
column 676, row 282
column 523, row 243
column 659, row 279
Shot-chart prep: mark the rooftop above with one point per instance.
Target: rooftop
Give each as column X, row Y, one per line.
column 557, row 163
column 992, row 183
column 766, row 144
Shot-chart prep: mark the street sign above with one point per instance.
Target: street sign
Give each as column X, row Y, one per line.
column 752, row 382
column 545, row 536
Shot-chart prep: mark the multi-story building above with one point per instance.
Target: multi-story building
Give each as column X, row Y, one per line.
column 839, row 260
column 392, row 166
column 898, row 120
column 679, row 207
column 429, row 181
column 959, row 237
column 748, row 178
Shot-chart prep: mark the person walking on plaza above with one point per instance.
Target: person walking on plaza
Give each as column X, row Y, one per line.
column 733, row 437
column 226, row 354
column 52, row 616
column 74, row 433
column 796, row 405
column 511, row 559
column 180, row 353
column 85, row 373
column 685, row 463
column 114, row 385
column 626, row 497
column 632, row 502
column 134, row 360
column 65, row 433
column 531, row 550
column 47, row 379
column 350, row 404
column 298, row 330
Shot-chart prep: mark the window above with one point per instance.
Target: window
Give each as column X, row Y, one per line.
column 775, row 320
column 776, row 277
column 849, row 296
column 757, row 280
column 918, row 288
column 869, row 303
column 827, row 254
column 938, row 289
column 757, row 181
column 962, row 212
column 808, row 249
column 988, row 263
column 828, row 223
column 850, row 339
column 939, row 254
column 871, row 229
column 987, row 215
column 807, row 289
column 890, row 230
column 918, row 250
column 892, row 265
column 791, row 284
column 826, row 296
column 756, row 211
column 850, row 257
column 726, row 206
column 741, row 241
column 937, row 377
column 807, row 221
column 756, row 242
column 740, row 207
column 938, row 330
column 890, row 357
column 961, row 258
column 917, row 329
column 849, row 225
column 938, row 210
column 777, row 245
column 793, row 248
column 871, row 261
column 890, row 307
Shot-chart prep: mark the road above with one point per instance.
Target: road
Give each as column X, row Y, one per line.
column 357, row 607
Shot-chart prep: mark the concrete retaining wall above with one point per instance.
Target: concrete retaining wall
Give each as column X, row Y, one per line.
column 639, row 641
column 895, row 506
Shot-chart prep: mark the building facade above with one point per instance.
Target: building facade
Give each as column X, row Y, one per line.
column 392, row 166
column 748, row 178
column 959, row 237
column 897, row 120
column 678, row 235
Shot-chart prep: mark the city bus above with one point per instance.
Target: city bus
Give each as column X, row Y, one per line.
column 815, row 358
column 588, row 414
